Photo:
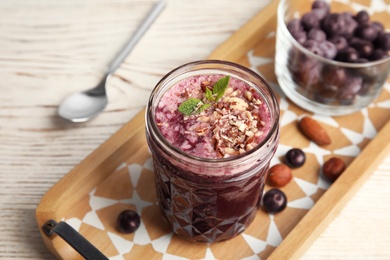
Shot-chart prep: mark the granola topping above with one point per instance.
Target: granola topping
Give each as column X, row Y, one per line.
column 230, row 127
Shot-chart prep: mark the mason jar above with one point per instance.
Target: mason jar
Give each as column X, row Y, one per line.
column 210, row 199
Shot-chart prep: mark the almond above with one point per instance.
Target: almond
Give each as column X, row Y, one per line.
column 314, row 131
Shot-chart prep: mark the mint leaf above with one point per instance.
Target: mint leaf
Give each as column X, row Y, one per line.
column 189, row 106
column 220, row 87
column 195, row 105
column 209, row 94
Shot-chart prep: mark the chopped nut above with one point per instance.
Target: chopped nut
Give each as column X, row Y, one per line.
column 234, row 93
column 230, row 150
column 233, row 125
column 201, row 132
column 314, row 131
column 248, row 115
column 249, row 133
column 279, row 175
column 228, row 91
column 238, row 103
column 248, row 95
column 258, row 133
column 257, row 102
column 204, row 119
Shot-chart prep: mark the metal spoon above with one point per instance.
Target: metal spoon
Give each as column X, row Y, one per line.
column 81, row 106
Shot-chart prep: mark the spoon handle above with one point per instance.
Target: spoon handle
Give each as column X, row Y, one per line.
column 136, row 36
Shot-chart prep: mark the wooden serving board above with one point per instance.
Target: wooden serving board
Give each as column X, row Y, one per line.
column 118, row 175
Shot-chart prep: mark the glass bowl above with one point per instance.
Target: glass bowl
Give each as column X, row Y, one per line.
column 319, row 84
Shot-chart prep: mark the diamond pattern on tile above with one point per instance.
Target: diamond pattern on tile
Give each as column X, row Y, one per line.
column 122, row 245
column 97, row 203
column 135, row 173
column 255, row 244
column 161, row 244
column 137, row 201
column 274, row 237
column 302, row 203
column 92, row 219
column 209, row 255
column 141, row 236
column 74, row 223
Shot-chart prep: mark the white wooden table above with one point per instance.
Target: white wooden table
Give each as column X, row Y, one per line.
column 49, row 49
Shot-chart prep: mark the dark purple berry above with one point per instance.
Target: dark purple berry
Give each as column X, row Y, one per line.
column 313, row 46
column 299, row 60
column 320, row 13
column 378, row 26
column 318, row 4
column 339, row 24
column 348, row 54
column 364, row 48
column 328, row 49
column 294, row 25
column 307, row 76
column 274, row 201
column 362, row 17
column 333, row 76
column 339, row 42
column 324, row 96
column 320, row 8
column 350, row 25
column 347, row 15
column 352, row 86
column 366, row 86
column 379, row 54
column 300, row 36
column 128, row 221
column 317, row 35
column 383, row 41
column 348, row 92
column 310, row 20
column 332, row 24
column 295, row 158
column 366, row 32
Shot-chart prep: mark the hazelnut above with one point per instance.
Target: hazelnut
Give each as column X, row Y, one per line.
column 279, row 175
column 333, row 168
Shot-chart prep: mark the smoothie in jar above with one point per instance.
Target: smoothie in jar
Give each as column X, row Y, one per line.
column 212, row 128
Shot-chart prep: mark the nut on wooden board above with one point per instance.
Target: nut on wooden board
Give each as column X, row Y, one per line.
column 314, row 131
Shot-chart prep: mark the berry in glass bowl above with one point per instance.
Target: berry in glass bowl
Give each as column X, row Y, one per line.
column 356, row 43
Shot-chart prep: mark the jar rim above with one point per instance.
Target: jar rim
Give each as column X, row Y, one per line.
column 272, row 99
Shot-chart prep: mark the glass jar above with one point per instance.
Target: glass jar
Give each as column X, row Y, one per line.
column 321, row 85
column 203, row 199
